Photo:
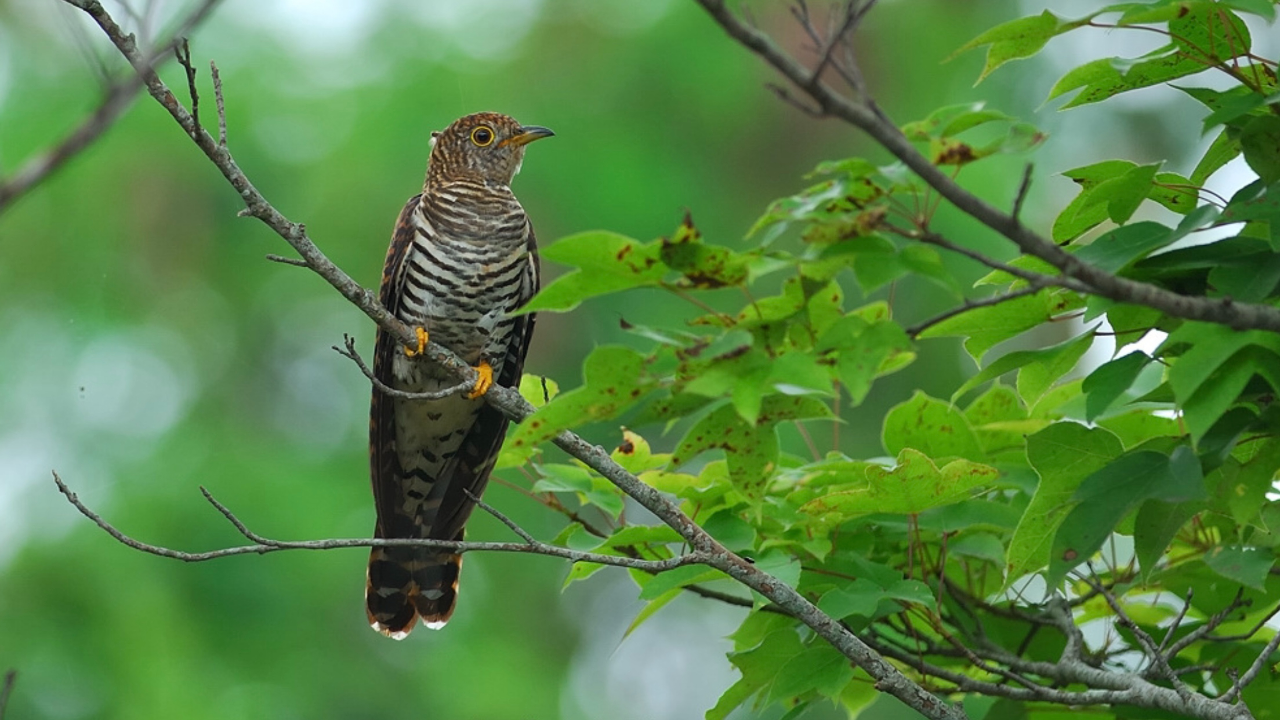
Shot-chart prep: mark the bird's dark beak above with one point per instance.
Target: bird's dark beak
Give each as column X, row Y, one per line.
column 527, row 134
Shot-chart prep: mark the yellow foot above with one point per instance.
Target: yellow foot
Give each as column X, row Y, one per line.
column 484, row 382
column 422, row 343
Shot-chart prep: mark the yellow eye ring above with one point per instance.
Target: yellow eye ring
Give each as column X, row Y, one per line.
column 482, row 136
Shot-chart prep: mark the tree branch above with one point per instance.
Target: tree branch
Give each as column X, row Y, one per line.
column 263, row 545
column 864, row 114
column 118, row 97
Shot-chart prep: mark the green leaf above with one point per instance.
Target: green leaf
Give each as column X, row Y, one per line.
column 1087, row 210
column 1209, row 346
column 751, row 451
column 1264, row 8
column 1063, row 455
column 860, row 597
column 1155, row 527
column 1222, row 150
column 1223, row 388
column 591, row 489
column 759, row 667
column 820, row 667
column 1116, row 249
column 1251, row 282
column 1111, row 380
column 1247, row 566
column 865, row 351
column 538, row 390
column 612, row 378
column 1038, row 376
column 1260, row 142
column 1127, row 192
column 932, row 427
column 984, row 327
column 1247, row 490
column 677, row 578
column 1040, row 368
column 914, row 485
column 651, row 608
column 1106, row 77
column 1201, row 32
column 605, row 263
column 1019, row 38
column 1108, row 494
column 701, row 265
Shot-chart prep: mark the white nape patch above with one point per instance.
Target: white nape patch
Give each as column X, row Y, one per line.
column 435, row 135
column 435, row 624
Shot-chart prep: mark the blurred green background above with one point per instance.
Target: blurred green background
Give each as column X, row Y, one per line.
column 147, row 349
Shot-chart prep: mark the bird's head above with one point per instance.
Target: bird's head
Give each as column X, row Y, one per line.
column 485, row 146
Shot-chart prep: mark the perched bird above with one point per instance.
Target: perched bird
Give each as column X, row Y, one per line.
column 462, row 258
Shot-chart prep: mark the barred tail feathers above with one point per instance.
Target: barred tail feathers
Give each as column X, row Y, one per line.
column 409, row 584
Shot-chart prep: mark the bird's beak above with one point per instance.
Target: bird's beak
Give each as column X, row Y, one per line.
column 525, row 135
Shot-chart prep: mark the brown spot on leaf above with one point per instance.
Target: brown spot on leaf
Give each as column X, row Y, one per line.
column 627, row 447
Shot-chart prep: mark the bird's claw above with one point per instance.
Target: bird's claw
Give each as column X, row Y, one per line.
column 484, row 380
column 422, row 343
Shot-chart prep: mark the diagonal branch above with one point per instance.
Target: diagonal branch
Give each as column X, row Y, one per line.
column 864, row 114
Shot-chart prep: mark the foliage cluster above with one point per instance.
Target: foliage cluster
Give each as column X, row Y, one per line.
column 1135, row 488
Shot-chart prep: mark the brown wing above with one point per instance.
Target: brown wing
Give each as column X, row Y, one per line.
column 383, row 464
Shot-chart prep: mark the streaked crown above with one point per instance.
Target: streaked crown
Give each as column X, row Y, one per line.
column 486, row 147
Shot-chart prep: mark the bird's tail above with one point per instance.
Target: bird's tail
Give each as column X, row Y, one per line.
column 406, row 584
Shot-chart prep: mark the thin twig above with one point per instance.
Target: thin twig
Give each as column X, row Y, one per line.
column 296, row 262
column 183, row 53
column 6, row 690
column 1177, row 620
column 1251, row 674
column 263, row 545
column 1159, row 662
column 117, row 98
column 524, row 535
column 350, row 352
column 219, row 104
column 1035, row 287
column 1023, row 188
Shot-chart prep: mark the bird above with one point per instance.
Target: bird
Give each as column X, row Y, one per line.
column 462, row 258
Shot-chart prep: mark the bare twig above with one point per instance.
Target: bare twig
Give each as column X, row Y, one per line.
column 1239, row 684
column 6, row 690
column 511, row 524
column 1035, row 287
column 263, row 545
column 1159, row 661
column 183, row 53
column 349, row 351
column 117, row 98
column 1177, row 620
column 1212, row 624
column 1023, row 188
column 286, row 260
column 219, row 104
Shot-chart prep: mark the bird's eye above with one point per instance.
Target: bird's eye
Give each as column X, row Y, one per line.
column 482, row 135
